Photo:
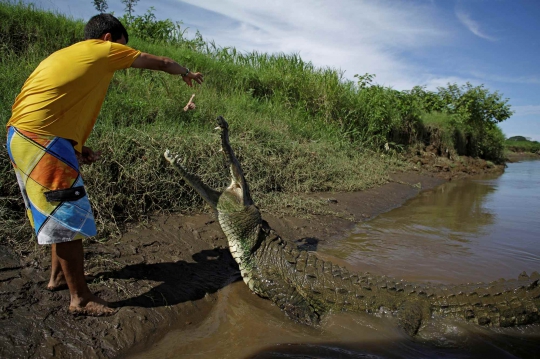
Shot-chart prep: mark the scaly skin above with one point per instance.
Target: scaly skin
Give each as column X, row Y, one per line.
column 305, row 287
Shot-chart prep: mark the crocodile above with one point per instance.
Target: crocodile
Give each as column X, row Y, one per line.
column 306, row 287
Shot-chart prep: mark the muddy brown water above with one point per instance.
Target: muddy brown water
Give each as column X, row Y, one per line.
column 466, row 231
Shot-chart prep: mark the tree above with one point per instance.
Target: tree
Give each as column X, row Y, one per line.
column 130, row 8
column 477, row 112
column 364, row 81
column 475, row 106
column 147, row 27
column 100, row 5
column 518, row 138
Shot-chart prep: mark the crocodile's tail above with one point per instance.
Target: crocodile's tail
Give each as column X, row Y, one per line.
column 502, row 303
column 325, row 287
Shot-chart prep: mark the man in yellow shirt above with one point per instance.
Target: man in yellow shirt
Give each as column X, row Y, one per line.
column 51, row 120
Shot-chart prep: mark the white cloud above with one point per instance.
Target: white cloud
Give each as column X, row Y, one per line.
column 472, row 25
column 357, row 35
column 388, row 38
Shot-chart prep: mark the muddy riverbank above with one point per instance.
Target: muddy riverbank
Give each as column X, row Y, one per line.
column 162, row 276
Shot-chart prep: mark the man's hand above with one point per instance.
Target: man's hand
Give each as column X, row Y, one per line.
column 162, row 63
column 197, row 76
column 88, row 156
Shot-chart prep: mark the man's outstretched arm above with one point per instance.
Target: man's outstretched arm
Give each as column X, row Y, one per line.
column 161, row 63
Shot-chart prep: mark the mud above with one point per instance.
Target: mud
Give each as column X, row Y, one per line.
column 161, row 276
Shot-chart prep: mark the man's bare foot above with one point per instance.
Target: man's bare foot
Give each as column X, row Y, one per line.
column 58, row 282
column 93, row 307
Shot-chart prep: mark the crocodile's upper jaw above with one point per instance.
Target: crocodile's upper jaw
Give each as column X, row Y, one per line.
column 238, row 181
column 239, row 218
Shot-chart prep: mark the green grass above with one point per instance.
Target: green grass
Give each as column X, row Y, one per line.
column 281, row 133
column 296, row 128
column 522, row 146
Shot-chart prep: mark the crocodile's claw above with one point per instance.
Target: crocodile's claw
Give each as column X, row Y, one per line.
column 172, row 157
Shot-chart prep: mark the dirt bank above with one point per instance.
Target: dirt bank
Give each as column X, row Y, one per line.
column 164, row 275
column 522, row 156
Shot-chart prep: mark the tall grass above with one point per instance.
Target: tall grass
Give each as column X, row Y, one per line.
column 522, row 146
column 282, row 127
column 295, row 127
column 28, row 32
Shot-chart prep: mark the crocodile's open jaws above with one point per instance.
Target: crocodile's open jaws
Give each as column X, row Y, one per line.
column 305, row 287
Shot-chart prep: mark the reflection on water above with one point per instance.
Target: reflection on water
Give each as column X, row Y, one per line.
column 476, row 230
column 243, row 325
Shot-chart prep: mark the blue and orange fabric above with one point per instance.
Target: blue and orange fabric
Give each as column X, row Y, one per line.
column 46, row 163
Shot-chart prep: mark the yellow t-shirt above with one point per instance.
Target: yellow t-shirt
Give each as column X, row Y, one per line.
column 64, row 94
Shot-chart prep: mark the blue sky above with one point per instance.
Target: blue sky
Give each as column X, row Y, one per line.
column 404, row 43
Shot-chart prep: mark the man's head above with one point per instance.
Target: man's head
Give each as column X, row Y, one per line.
column 100, row 25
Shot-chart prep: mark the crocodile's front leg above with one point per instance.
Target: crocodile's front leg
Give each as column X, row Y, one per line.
column 276, row 279
column 210, row 195
column 288, row 299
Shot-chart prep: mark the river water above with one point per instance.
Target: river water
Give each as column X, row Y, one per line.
column 464, row 231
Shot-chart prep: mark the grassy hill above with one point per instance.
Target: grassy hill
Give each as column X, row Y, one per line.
column 522, row 144
column 296, row 128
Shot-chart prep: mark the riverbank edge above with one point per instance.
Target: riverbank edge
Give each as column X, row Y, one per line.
column 164, row 275
column 520, row 156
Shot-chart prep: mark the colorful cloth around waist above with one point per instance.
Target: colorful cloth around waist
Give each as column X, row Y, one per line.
column 46, row 163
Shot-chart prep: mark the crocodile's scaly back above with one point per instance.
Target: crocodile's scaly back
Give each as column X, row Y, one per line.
column 305, row 287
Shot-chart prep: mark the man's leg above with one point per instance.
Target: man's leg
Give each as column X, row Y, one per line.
column 71, row 259
column 57, row 280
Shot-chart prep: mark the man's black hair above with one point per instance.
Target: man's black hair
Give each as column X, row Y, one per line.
column 102, row 24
